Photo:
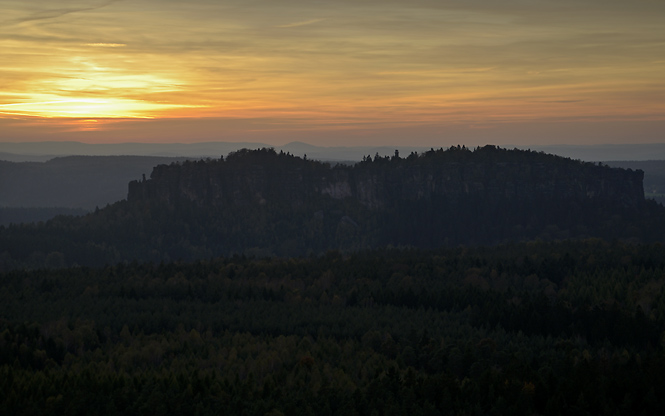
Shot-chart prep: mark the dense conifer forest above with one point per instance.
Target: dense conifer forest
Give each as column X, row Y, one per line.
column 553, row 328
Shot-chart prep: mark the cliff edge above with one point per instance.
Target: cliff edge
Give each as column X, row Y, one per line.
column 489, row 173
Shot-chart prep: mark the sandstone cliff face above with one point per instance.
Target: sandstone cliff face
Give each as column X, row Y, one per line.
column 265, row 177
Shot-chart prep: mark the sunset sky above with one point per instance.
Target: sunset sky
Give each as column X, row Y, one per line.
column 368, row 72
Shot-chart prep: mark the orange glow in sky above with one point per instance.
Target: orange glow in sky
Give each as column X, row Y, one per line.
column 333, row 72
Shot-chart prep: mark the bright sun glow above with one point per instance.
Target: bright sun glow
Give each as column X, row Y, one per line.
column 95, row 87
column 84, row 108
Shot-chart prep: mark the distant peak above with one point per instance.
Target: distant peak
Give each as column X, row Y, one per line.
column 299, row 145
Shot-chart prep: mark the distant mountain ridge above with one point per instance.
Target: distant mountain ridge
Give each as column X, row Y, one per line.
column 41, row 151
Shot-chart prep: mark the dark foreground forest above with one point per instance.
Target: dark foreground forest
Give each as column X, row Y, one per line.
column 559, row 328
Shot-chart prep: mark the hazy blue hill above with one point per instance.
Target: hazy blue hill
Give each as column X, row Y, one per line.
column 83, row 182
column 13, row 157
column 37, row 150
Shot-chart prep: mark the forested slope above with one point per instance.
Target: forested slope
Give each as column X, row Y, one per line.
column 268, row 203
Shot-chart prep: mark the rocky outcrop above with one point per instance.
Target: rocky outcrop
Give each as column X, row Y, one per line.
column 488, row 173
column 262, row 203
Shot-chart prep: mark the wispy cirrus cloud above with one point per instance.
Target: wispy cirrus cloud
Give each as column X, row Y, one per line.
column 106, row 45
column 48, row 13
column 303, row 23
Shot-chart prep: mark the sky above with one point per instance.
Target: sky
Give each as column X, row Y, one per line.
column 365, row 72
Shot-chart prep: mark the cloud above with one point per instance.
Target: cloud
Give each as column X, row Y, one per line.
column 305, row 23
column 107, row 45
column 55, row 13
column 558, row 101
